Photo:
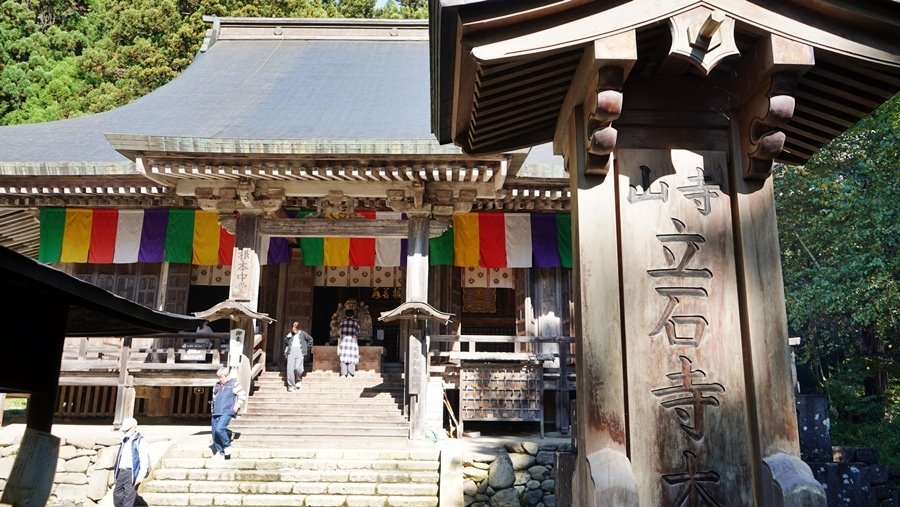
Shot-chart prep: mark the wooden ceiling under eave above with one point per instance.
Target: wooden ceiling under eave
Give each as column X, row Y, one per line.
column 506, row 98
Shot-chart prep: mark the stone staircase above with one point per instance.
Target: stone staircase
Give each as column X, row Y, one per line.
column 333, row 442
column 286, row 476
column 325, row 405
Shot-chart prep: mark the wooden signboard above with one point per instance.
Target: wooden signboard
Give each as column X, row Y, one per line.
column 685, row 372
column 501, row 392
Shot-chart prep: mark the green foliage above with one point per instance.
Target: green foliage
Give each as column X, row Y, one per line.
column 839, row 229
column 66, row 58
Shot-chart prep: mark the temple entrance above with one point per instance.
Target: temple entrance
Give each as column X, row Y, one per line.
column 385, row 335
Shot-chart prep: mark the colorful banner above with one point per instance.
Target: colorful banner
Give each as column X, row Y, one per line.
column 476, row 240
column 111, row 236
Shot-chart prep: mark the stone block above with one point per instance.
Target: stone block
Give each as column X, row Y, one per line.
column 530, row 447
column 213, row 487
column 867, row 455
column 425, row 454
column 522, row 461
column 106, row 458
column 227, row 499
column 412, row 501
column 501, row 474
column 8, row 439
column 9, row 450
column 505, row 498
column 60, row 465
column 6, row 464
column 274, row 500
column 166, row 474
column 68, row 492
column 70, row 478
column 67, row 452
column 548, row 446
column 309, row 488
column 513, row 447
column 366, row 501
column 470, row 488
column 532, row 497
column 165, row 499
column 97, row 485
column 267, row 488
column 407, row 489
column 326, row 500
column 815, row 427
column 539, row 472
column 82, row 442
column 417, row 465
column 477, row 457
column 199, row 499
column 79, row 464
column 545, row 458
column 111, row 440
column 843, row 454
column 351, row 489
column 522, row 477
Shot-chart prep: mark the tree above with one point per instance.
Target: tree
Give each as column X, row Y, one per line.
column 839, row 229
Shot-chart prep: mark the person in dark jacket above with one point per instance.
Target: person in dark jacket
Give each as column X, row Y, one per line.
column 132, row 464
column 228, row 397
column 298, row 343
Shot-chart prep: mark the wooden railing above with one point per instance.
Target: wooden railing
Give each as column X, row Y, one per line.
column 170, row 372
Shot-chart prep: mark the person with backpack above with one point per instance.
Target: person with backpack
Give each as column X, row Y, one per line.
column 228, row 397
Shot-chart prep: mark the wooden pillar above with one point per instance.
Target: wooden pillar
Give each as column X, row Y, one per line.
column 603, row 472
column 125, row 388
column 247, row 238
column 417, row 259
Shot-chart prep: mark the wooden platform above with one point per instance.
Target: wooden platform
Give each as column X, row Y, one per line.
column 325, row 358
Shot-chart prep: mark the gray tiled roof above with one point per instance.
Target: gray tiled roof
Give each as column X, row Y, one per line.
column 255, row 89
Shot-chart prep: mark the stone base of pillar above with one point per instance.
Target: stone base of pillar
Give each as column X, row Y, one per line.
column 791, row 482
column 612, row 477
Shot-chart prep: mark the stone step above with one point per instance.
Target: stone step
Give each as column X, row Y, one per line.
column 255, row 431
column 399, row 485
column 274, row 423
column 165, row 499
column 343, row 403
column 282, row 392
column 354, row 449
column 331, row 419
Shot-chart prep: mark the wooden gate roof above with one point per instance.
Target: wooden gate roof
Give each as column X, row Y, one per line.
column 495, row 61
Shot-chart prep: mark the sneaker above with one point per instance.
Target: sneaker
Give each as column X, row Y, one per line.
column 227, row 451
column 218, row 457
column 291, row 389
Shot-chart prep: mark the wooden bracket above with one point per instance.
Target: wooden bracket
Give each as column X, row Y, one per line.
column 702, row 36
column 601, row 134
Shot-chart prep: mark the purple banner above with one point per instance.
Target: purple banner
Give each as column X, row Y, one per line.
column 153, row 235
column 544, row 246
column 279, row 251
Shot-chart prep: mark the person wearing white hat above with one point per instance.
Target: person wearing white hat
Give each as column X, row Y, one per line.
column 132, row 464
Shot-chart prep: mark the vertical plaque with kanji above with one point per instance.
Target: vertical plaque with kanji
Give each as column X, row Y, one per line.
column 690, row 443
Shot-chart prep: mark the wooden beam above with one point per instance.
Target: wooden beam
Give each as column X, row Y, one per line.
column 349, row 228
column 618, row 50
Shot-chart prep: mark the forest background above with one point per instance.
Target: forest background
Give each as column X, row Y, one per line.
column 838, row 215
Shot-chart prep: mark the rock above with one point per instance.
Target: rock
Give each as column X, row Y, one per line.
column 9, row 439
column 530, row 447
column 6, row 466
column 467, row 500
column 97, row 485
column 513, row 447
column 501, row 475
column 548, row 485
column 475, row 473
column 82, row 442
column 9, row 450
column 111, row 440
column 867, row 455
column 60, row 465
column 539, row 472
column 489, row 491
column 479, row 457
column 482, row 486
column 545, row 457
column 532, row 497
column 522, row 477
column 548, row 446
column 78, row 464
column 482, row 465
column 470, row 488
column 66, row 494
column 106, row 458
column 481, row 498
column 70, row 478
column 533, row 484
column 521, row 461
column 565, row 448
column 550, row 500
column 505, row 498
column 67, row 452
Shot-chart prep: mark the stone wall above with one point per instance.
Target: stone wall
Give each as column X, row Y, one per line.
column 850, row 475
column 83, row 470
column 520, row 474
